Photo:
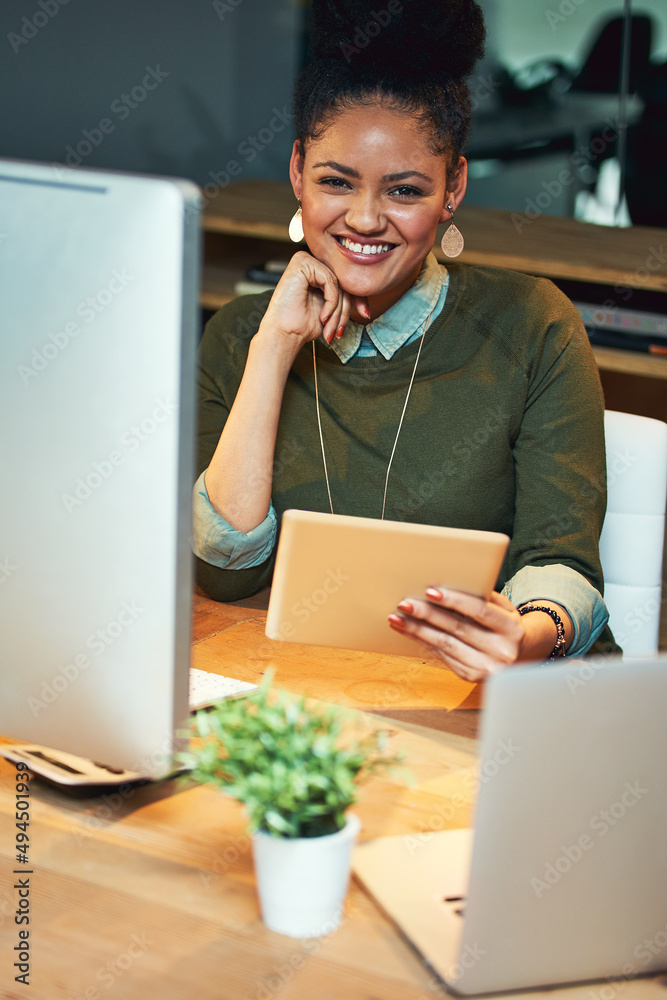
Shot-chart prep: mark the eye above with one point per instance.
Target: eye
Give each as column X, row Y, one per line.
column 407, row 191
column 336, row 183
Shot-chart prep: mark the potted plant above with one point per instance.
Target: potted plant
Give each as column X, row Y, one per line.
column 296, row 775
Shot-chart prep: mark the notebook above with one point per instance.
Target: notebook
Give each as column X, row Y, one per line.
column 564, row 878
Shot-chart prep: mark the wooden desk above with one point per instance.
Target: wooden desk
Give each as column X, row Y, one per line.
column 150, row 894
column 230, row 639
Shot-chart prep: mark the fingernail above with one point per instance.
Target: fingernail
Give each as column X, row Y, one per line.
column 340, row 331
column 435, row 595
column 396, row 621
column 406, row 606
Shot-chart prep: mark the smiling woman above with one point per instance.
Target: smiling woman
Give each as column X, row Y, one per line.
column 372, row 195
column 458, row 396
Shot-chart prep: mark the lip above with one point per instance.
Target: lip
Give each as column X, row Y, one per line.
column 363, row 258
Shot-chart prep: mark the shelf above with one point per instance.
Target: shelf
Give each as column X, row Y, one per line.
column 259, row 209
column 548, row 245
column 227, row 258
column 247, row 223
column 630, row 362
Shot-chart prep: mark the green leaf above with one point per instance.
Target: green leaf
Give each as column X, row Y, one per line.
column 287, row 762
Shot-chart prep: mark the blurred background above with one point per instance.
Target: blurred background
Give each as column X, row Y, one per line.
column 202, row 90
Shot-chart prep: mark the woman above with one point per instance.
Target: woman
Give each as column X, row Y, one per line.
column 375, row 382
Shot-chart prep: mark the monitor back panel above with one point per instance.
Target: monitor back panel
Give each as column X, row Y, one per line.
column 98, row 283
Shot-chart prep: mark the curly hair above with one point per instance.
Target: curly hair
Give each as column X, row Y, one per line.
column 413, row 56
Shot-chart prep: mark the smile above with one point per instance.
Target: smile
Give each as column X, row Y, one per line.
column 367, row 249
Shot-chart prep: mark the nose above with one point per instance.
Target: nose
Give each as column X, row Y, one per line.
column 364, row 214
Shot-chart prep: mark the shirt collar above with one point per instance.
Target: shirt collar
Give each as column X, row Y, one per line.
column 402, row 320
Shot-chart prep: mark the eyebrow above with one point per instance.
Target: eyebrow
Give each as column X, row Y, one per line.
column 388, row 178
column 393, row 178
column 348, row 171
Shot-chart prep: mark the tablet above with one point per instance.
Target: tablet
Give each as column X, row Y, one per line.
column 338, row 577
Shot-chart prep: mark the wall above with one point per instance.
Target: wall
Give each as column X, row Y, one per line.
column 528, row 30
column 181, row 87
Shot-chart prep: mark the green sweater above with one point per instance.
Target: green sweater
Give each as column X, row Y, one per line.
column 504, row 429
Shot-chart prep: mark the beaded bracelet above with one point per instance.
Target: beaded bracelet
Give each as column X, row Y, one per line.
column 559, row 648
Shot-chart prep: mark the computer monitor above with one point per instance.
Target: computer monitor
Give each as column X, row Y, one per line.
column 98, row 285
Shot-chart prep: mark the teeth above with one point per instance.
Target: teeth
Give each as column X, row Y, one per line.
column 364, row 248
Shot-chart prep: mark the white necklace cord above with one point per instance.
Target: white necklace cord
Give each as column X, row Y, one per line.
column 400, row 423
column 319, row 424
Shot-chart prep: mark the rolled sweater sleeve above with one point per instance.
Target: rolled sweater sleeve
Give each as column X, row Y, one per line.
column 217, row 543
column 572, row 591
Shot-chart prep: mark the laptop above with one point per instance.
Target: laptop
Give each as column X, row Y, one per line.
column 564, row 878
column 99, row 282
column 337, row 577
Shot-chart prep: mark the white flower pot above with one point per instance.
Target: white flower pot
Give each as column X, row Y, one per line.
column 302, row 881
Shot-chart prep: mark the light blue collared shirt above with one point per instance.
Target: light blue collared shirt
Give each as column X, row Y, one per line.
column 217, row 543
column 401, row 323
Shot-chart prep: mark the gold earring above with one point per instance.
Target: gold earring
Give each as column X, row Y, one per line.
column 452, row 241
column 296, row 226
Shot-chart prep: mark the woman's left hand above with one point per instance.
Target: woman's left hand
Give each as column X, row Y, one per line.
column 474, row 637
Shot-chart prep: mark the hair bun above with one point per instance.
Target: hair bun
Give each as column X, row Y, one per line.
column 428, row 39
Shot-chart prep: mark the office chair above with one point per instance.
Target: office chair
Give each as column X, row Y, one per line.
column 633, row 533
column 601, row 70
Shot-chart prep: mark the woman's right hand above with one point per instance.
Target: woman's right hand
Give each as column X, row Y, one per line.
column 308, row 303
